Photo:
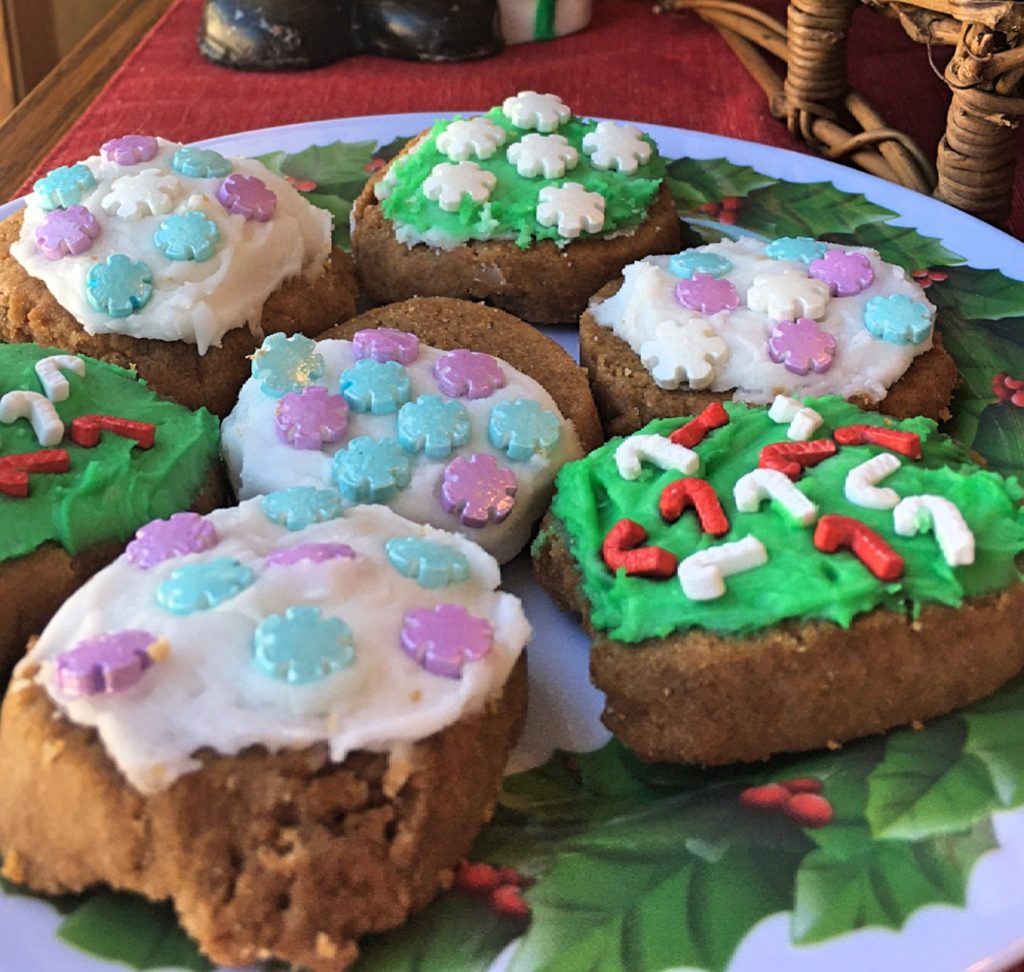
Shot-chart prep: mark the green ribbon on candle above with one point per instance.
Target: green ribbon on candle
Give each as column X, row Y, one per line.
column 544, row 20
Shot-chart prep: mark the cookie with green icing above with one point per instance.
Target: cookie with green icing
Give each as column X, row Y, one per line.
column 526, row 206
column 88, row 453
column 793, row 577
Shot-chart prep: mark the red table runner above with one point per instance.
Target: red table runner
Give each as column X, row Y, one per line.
column 630, row 63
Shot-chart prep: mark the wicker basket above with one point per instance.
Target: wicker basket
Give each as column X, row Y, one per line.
column 974, row 168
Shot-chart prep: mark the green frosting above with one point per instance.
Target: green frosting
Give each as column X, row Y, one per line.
column 798, row 581
column 510, row 212
column 115, row 487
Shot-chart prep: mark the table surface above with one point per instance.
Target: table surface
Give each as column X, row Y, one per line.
column 129, row 75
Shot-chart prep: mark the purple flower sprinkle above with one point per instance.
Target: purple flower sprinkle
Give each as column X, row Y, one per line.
column 247, row 196
column 442, row 640
column 707, row 294
column 107, row 663
column 845, row 271
column 66, row 231
column 130, row 149
column 801, row 346
column 316, row 553
column 468, row 374
column 158, row 540
column 308, row 418
column 386, row 344
column 478, row 489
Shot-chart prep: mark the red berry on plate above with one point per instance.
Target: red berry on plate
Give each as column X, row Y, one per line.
column 803, row 785
column 508, row 901
column 476, row 877
column 809, row 809
column 770, row 797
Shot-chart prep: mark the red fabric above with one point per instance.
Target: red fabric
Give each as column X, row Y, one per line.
column 630, row 63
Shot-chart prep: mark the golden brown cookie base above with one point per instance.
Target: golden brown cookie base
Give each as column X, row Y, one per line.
column 37, row 584
column 174, row 369
column 447, row 323
column 541, row 284
column 266, row 855
column 712, row 699
column 628, row 398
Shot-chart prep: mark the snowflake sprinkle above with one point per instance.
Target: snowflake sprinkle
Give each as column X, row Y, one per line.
column 433, row 425
column 120, row 286
column 377, row 387
column 371, row 470
column 447, row 184
column 547, row 156
column 522, row 428
column 691, row 352
column 300, row 646
column 301, row 506
column 478, row 137
column 64, row 186
column 544, row 112
column 898, row 319
column 571, row 208
column 150, row 192
column 619, row 147
column 285, row 364
column 431, row 565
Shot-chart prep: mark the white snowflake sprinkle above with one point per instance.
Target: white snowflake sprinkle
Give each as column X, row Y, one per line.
column 463, row 139
column 447, row 184
column 691, row 352
column 787, row 296
column 572, row 208
column 545, row 112
column 620, row 147
column 150, row 192
column 542, row 155
column 383, row 187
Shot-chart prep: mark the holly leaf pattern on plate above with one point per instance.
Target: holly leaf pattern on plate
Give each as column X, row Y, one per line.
column 814, row 209
column 995, row 736
column 694, row 182
column 902, row 245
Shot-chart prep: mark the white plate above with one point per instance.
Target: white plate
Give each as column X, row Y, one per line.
column 985, row 935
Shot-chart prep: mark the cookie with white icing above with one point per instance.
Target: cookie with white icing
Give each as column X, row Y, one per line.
column 265, row 715
column 422, row 410
column 747, row 320
column 172, row 259
column 526, row 207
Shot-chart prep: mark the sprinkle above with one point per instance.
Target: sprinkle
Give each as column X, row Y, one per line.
column 898, row 319
column 120, row 286
column 620, row 148
column 905, row 443
column 656, row 449
column 66, row 232
column 700, row 494
column 803, row 420
column 86, row 429
column 689, row 262
column 106, row 664
column 316, row 553
column 791, row 457
column 846, row 272
column 463, row 138
column 151, row 192
column 860, row 486
column 286, row 364
column 621, row 550
column 444, row 639
column 916, row 514
column 371, row 470
column 158, row 540
column 376, row 387
column 571, row 208
column 707, row 294
column 761, row 484
column 801, row 248
column 690, row 353
column 15, row 470
column 187, row 236
column 130, row 149
column 788, row 295
column 202, row 586
column 309, row 418
column 300, row 646
column 523, row 429
column 468, row 374
column 542, row 156
column 38, row 409
column 802, row 346
column 433, row 425
column 386, row 344
column 247, row 196
column 64, row 186
column 544, row 112
column 448, row 184
column 691, row 434
column 431, row 565
column 478, row 489
column 834, row 531
column 702, row 574
column 200, row 163
column 301, row 506
column 55, row 385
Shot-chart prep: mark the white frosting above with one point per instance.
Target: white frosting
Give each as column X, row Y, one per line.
column 196, row 302
column 259, row 462
column 863, row 365
column 208, row 692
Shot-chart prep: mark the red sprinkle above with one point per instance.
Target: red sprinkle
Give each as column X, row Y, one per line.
column 693, row 432
column 809, row 809
column 15, row 470
column 699, row 494
column 803, row 785
column 834, row 531
column 790, row 458
column 770, row 797
column 508, row 901
column 476, row 877
column 85, row 430
column 621, row 548
column 905, row 443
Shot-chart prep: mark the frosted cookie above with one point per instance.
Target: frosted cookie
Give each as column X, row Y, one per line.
column 769, row 580
column 87, row 455
column 437, row 407
column 527, row 207
column 288, row 720
column 171, row 259
column 747, row 320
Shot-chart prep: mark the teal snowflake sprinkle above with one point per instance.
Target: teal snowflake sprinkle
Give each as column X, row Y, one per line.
column 371, row 470
column 64, row 186
column 120, row 286
column 378, row 387
column 300, row 646
column 522, row 428
column 898, row 319
column 286, row 364
column 201, row 586
column 187, row 236
column 433, row 425
column 200, row 163
column 431, row 565
column 801, row 248
column 689, row 262
column 301, row 506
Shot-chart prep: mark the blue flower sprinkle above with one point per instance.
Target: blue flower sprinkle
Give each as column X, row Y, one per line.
column 689, row 262
column 378, row 387
column 801, row 248
column 64, row 186
column 301, row 506
column 120, row 286
column 300, row 646
column 201, row 586
column 371, row 470
column 187, row 236
column 286, row 364
column 200, row 163
column 522, row 428
column 898, row 319
column 431, row 565
column 433, row 425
